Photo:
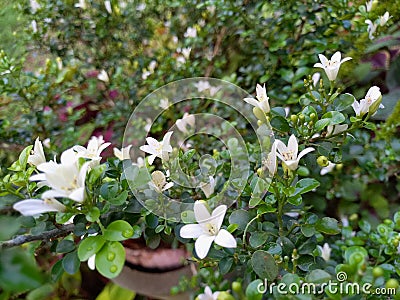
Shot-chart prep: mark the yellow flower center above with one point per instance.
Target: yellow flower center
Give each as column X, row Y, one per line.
column 288, row 155
column 212, row 230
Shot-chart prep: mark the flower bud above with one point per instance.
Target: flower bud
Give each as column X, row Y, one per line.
column 259, row 172
column 259, row 114
column 322, row 161
column 374, row 107
column 313, row 116
column 339, row 167
column 237, row 287
column 301, row 117
column 225, row 296
column 294, row 119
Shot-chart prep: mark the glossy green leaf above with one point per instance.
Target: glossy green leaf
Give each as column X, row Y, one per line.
column 71, row 262
column 110, row 259
column 90, row 246
column 305, row 185
column 118, row 231
column 264, row 265
column 327, row 225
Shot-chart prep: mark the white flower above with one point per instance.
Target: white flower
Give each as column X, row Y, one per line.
column 202, row 85
column 158, row 149
column 107, row 4
column 123, row 153
column 141, row 7
column 331, row 67
column 288, row 154
column 368, row 5
column 315, row 78
column 103, row 76
column 164, row 103
column 34, row 26
column 47, row 143
column 383, row 19
column 371, row 29
column 34, row 6
column 335, row 129
column 191, row 32
column 81, row 4
column 271, row 160
column 65, row 179
column 208, row 188
column 208, row 229
column 186, row 52
column 208, row 294
column 92, row 262
column 325, row 251
column 159, row 182
column 59, row 63
column 95, row 146
column 329, row 168
column 263, row 99
column 180, row 60
column 31, row 207
column 187, row 120
column 37, row 154
column 370, row 103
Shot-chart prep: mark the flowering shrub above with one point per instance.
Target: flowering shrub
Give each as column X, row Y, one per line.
column 268, row 232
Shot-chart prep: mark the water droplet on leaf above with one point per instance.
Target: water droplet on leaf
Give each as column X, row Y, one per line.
column 110, row 256
column 113, row 269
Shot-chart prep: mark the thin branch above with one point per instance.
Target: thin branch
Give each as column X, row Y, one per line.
column 44, row 236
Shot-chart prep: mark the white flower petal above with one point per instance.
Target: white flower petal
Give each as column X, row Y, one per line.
column 218, row 215
column 31, row 207
column 225, row 239
column 191, row 231
column 201, row 212
column 203, row 244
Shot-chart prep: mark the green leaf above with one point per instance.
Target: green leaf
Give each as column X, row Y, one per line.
column 110, row 259
column 93, row 214
column 23, row 157
column 252, row 290
column 295, row 200
column 365, row 226
column 113, row 291
column 65, row 246
column 90, row 246
column 71, row 263
column 327, row 225
column 308, row 230
column 355, row 249
column 120, row 199
column 335, row 117
column 56, row 271
column 308, row 246
column 278, row 111
column 118, row 231
column 240, row 217
column 18, row 271
column 9, row 226
column 136, row 176
column 343, row 101
column 225, row 265
column 318, row 276
column 321, row 124
column 42, row 292
column 305, row 185
column 280, row 123
column 258, row 238
column 188, row 217
column 264, row 265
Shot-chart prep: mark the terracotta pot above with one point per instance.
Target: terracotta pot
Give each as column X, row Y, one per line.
column 153, row 273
